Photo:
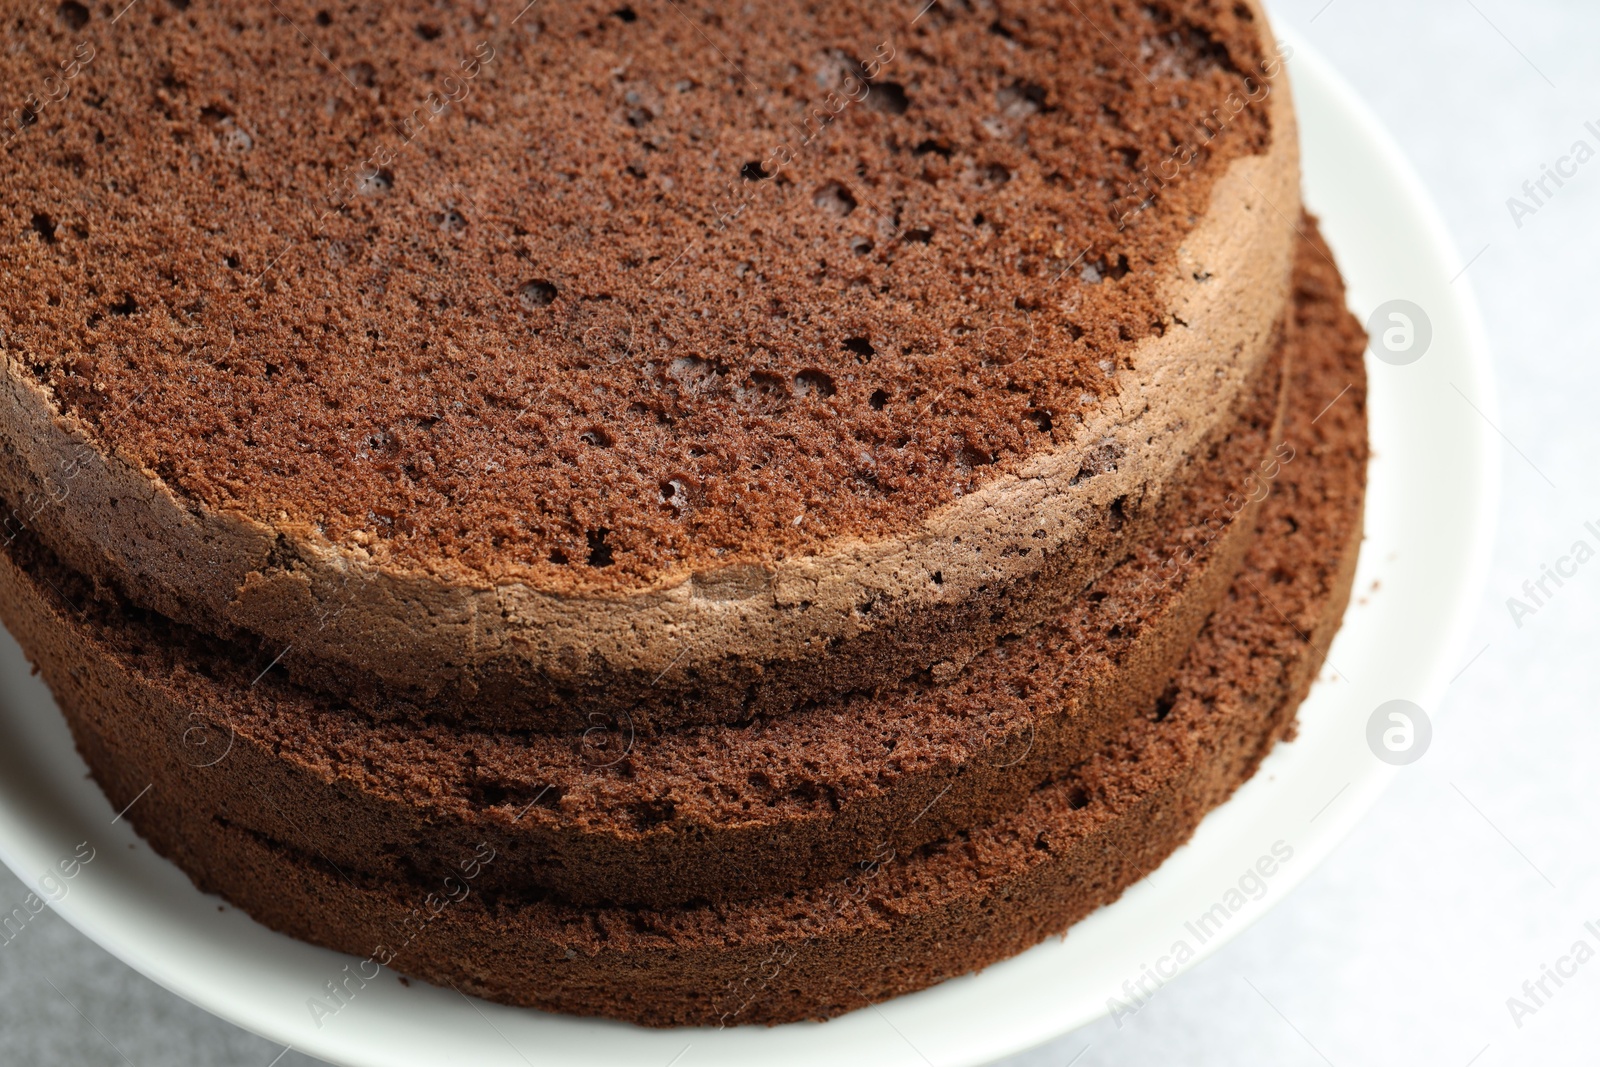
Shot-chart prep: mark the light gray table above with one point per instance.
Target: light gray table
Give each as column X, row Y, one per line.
column 1476, row 869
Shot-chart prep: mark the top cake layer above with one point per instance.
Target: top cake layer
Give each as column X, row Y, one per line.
column 486, row 350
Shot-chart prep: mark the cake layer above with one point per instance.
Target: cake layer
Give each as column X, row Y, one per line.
column 905, row 920
column 521, row 414
column 616, row 815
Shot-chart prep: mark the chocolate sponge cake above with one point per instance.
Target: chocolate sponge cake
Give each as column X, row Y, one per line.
column 666, row 358
column 919, row 908
column 909, row 916
column 759, row 509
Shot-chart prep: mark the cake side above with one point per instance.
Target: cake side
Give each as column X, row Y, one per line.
column 874, row 595
column 615, row 815
column 904, row 921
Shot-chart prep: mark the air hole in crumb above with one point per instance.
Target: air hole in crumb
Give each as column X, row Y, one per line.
column 596, row 436
column 693, row 371
column 878, row 399
column 889, row 97
column 973, row 457
column 1022, row 98
column 1078, row 798
column 364, row 74
column 537, row 294
column 75, row 15
column 126, row 306
column 1040, row 419
column 764, row 385
column 626, row 14
column 1117, row 517
column 558, row 557
column 938, row 577
column 600, row 554
column 675, row 493
column 860, row 346
column 376, row 183
column 861, row 245
column 45, row 227
column 835, row 199
column 1165, row 704
column 640, row 116
column 995, row 174
column 648, row 813
column 452, row 222
column 935, row 147
column 813, row 383
column 429, row 32
column 1100, row 460
column 753, row 172
column 919, row 236
column 324, row 19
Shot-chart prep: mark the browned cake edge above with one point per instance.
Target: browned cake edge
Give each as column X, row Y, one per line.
column 282, row 763
column 756, row 637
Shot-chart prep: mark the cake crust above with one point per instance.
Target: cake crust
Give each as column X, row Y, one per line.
column 712, row 813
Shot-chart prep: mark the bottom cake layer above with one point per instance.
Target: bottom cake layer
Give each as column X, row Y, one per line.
column 903, row 921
